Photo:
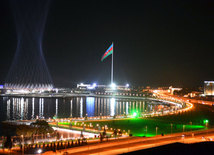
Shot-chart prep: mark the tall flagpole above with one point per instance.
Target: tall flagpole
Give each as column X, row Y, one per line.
column 112, row 63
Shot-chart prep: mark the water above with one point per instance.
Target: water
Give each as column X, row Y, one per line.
column 19, row 108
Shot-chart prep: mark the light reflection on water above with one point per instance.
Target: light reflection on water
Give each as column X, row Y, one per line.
column 14, row 108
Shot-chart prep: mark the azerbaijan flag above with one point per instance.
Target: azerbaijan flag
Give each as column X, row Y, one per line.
column 108, row 52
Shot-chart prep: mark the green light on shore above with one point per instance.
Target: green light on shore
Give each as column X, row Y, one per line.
column 134, row 114
column 206, row 121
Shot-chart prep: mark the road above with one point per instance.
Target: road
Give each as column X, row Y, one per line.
column 137, row 143
column 168, row 96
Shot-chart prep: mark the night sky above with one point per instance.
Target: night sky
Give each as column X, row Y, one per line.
column 156, row 43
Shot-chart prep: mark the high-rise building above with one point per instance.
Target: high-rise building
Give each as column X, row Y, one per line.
column 209, row 88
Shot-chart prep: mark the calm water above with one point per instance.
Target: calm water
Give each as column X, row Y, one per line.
column 19, row 108
column 14, row 108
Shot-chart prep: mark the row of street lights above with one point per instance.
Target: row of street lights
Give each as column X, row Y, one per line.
column 171, row 125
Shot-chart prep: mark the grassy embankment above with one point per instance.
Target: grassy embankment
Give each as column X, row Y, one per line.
column 187, row 121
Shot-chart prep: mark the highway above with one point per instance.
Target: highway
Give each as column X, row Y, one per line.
column 137, row 143
column 168, row 96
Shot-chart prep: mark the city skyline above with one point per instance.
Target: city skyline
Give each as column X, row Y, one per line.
column 155, row 43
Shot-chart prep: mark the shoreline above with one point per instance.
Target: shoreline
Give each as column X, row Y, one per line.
column 67, row 95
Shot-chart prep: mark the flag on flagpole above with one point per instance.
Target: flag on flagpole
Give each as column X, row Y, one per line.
column 108, row 52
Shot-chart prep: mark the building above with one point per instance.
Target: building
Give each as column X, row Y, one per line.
column 209, row 88
column 171, row 90
column 111, row 87
column 194, row 94
column 166, row 90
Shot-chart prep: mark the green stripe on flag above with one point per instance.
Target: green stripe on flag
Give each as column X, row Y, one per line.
column 107, row 55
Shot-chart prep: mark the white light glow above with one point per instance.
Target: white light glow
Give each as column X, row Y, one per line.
column 86, row 134
column 94, row 84
column 112, row 107
column 113, row 85
column 39, row 151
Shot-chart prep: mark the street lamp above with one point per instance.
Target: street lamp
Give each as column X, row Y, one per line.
column 39, row 151
column 156, row 130
column 134, row 114
column 48, row 135
column 22, row 144
column 191, row 126
column 206, row 121
column 171, row 127
column 146, row 130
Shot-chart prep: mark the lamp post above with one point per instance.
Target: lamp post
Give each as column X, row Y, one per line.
column 206, row 123
column 156, row 130
column 86, row 116
column 171, row 127
column 22, row 144
column 48, row 135
column 146, row 130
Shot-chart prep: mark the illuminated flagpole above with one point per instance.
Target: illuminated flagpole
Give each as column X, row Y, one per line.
column 112, row 63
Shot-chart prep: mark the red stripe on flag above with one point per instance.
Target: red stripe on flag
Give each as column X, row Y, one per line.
column 106, row 53
column 110, row 49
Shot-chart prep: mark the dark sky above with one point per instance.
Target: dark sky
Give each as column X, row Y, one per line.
column 156, row 43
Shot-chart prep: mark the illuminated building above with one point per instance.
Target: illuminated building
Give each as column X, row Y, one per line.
column 167, row 90
column 209, row 88
column 29, row 71
column 111, row 87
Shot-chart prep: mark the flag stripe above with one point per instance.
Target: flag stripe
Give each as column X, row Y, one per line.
column 106, row 55
column 108, row 52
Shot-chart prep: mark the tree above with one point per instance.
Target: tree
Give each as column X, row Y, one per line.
column 115, row 133
column 42, row 127
column 25, row 130
column 8, row 143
